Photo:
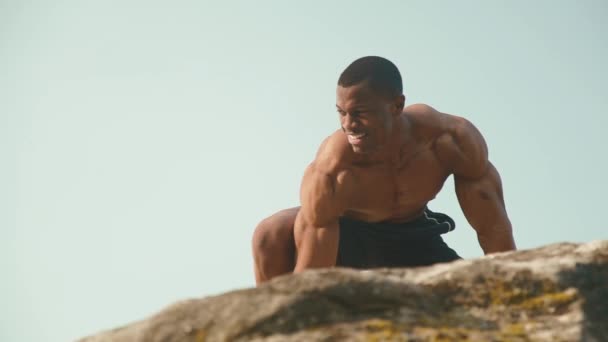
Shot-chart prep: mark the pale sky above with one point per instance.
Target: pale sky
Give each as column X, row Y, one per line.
column 142, row 141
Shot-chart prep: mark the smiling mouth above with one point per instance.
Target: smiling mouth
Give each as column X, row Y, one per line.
column 356, row 139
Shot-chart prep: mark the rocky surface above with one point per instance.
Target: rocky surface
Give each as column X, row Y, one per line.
column 553, row 293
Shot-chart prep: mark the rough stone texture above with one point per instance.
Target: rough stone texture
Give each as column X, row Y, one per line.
column 553, row 293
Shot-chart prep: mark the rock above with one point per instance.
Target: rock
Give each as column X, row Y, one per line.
column 553, row 293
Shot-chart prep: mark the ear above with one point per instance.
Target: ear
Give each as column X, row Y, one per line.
column 398, row 104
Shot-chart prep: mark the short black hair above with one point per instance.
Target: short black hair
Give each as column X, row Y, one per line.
column 381, row 74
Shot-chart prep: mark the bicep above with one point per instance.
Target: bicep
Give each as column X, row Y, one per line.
column 321, row 198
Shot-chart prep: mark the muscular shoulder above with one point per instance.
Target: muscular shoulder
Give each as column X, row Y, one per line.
column 427, row 123
column 334, row 155
column 458, row 144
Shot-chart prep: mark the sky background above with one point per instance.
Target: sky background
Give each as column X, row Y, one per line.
column 141, row 141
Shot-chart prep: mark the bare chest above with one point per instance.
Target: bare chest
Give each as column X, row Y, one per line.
column 397, row 191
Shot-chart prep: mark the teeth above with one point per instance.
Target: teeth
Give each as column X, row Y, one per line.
column 357, row 136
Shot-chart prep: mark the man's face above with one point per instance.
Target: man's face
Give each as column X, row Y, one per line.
column 366, row 117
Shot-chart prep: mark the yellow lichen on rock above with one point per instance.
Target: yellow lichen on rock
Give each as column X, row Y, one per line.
column 550, row 302
column 382, row 330
column 200, row 336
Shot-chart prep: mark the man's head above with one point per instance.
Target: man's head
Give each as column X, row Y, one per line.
column 369, row 100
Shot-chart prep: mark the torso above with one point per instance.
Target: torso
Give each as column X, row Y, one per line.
column 398, row 191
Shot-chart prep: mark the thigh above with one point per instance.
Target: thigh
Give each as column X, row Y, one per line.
column 351, row 246
column 414, row 253
column 437, row 251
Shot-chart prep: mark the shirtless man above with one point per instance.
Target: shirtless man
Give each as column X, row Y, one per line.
column 364, row 197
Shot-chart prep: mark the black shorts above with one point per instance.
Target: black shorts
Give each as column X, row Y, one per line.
column 417, row 243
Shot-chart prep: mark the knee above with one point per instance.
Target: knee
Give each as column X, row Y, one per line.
column 274, row 232
column 262, row 236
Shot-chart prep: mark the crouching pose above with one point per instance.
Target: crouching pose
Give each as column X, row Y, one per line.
column 364, row 197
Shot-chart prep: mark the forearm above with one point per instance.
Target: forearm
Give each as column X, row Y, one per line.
column 317, row 231
column 316, row 247
column 497, row 237
column 483, row 205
